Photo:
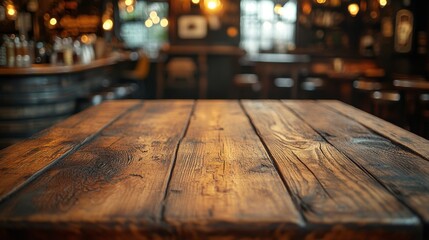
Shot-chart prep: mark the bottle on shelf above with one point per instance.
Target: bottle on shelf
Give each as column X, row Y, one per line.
column 3, row 51
column 25, row 52
column 10, row 51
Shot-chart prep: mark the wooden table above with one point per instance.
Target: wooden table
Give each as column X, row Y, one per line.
column 217, row 169
column 350, row 71
column 268, row 65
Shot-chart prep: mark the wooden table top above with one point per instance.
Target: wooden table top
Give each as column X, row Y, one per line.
column 217, row 169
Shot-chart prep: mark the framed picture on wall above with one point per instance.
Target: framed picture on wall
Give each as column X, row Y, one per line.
column 404, row 31
column 192, row 27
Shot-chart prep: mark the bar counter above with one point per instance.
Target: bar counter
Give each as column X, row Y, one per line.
column 46, row 69
column 217, row 169
column 34, row 98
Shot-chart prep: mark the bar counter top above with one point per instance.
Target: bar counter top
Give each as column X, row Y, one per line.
column 217, row 169
column 48, row 69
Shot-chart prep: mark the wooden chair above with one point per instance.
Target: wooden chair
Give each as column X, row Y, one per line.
column 246, row 85
column 180, row 78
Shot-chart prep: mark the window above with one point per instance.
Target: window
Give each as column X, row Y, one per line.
column 146, row 26
column 267, row 26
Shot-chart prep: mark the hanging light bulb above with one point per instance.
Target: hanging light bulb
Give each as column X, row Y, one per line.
column 353, row 9
column 127, row 5
column 53, row 21
column 164, row 22
column 129, row 2
column 278, row 8
column 108, row 25
column 11, row 11
column 212, row 5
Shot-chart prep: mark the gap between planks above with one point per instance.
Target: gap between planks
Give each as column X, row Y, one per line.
column 174, row 159
column 275, row 164
column 404, row 201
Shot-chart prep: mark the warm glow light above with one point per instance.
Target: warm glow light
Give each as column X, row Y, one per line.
column 195, row 1
column 130, row 9
column 156, row 20
column 353, row 9
column 232, row 32
column 321, row 1
column 306, row 8
column 164, row 22
column 148, row 23
column 11, row 11
column 108, row 25
column 84, row 39
column 129, row 2
column 383, row 3
column 153, row 14
column 212, row 5
column 278, row 9
column 53, row 21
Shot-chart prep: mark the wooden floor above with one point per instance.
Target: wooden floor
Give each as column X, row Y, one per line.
column 217, row 169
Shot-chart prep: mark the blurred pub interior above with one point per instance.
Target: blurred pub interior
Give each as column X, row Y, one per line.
column 59, row 57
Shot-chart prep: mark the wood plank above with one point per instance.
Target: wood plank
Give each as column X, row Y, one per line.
column 403, row 173
column 113, row 187
column 337, row 198
column 224, row 184
column 384, row 128
column 21, row 163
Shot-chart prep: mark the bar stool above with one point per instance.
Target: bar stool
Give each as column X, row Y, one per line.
column 361, row 93
column 388, row 105
column 314, row 87
column 282, row 87
column 246, row 85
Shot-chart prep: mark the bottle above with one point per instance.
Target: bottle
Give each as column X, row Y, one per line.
column 18, row 53
column 3, row 52
column 68, row 51
column 40, row 56
column 57, row 54
column 25, row 51
column 77, row 52
column 10, row 51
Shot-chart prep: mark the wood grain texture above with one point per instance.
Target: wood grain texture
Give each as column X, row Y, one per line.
column 22, row 162
column 224, row 184
column 384, row 128
column 336, row 197
column 214, row 169
column 402, row 172
column 113, row 187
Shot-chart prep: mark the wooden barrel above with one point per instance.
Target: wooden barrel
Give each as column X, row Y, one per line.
column 29, row 104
